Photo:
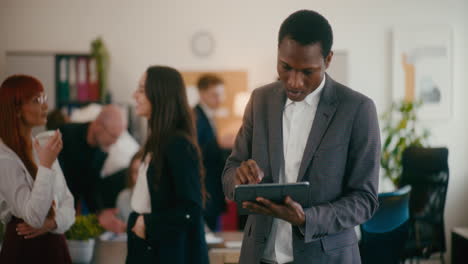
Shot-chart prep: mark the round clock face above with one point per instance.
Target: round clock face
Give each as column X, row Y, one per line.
column 202, row 44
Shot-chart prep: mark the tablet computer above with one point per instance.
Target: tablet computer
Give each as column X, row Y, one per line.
column 275, row 192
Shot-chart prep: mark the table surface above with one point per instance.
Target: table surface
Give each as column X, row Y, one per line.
column 462, row 231
column 115, row 252
column 222, row 254
column 227, row 237
column 107, row 252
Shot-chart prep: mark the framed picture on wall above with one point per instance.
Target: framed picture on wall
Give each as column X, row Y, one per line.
column 422, row 69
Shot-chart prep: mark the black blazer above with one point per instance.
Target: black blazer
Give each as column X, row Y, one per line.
column 81, row 165
column 175, row 226
column 214, row 159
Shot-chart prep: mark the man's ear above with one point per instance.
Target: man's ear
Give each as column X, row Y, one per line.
column 328, row 59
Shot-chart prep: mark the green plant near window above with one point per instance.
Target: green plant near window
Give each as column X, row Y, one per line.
column 101, row 54
column 85, row 227
column 400, row 130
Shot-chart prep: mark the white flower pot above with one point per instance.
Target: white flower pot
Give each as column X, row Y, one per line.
column 81, row 251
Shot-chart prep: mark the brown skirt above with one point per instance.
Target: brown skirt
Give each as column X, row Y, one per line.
column 47, row 248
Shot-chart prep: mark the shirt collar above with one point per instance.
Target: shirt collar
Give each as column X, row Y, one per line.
column 210, row 113
column 315, row 95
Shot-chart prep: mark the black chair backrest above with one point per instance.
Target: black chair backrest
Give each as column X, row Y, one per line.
column 426, row 170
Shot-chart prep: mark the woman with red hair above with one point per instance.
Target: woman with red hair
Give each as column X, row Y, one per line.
column 35, row 203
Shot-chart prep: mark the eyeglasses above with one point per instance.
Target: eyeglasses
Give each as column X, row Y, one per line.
column 40, row 99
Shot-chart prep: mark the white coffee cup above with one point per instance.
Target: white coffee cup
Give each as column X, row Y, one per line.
column 45, row 136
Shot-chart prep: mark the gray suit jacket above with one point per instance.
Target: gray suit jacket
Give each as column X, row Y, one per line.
column 340, row 161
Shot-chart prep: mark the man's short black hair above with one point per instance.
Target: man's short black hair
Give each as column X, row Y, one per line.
column 307, row 27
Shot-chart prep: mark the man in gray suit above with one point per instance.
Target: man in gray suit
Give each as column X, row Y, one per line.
column 306, row 127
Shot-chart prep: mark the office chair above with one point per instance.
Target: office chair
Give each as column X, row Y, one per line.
column 426, row 171
column 383, row 236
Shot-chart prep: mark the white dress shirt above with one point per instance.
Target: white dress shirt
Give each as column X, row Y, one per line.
column 297, row 123
column 141, row 199
column 30, row 199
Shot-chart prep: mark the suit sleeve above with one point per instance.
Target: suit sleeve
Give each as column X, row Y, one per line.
column 359, row 200
column 241, row 151
column 183, row 166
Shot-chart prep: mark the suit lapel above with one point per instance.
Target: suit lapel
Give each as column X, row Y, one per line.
column 204, row 120
column 324, row 114
column 275, row 130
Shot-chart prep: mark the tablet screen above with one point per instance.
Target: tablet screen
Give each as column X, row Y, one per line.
column 276, row 192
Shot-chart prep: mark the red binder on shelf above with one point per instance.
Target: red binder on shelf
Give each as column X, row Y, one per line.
column 81, row 77
column 93, row 80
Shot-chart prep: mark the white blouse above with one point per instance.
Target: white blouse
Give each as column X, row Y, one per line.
column 141, row 199
column 29, row 199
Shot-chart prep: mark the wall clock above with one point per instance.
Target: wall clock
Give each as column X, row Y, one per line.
column 202, row 44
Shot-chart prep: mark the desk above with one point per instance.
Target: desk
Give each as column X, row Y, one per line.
column 459, row 244
column 109, row 252
column 115, row 252
column 220, row 253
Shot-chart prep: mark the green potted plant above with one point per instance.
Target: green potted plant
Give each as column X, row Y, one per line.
column 100, row 52
column 81, row 238
column 400, row 130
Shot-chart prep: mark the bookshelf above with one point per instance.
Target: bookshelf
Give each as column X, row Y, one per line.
column 76, row 81
column 70, row 78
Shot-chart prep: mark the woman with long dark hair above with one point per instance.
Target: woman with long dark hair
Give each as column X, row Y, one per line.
column 167, row 223
column 35, row 202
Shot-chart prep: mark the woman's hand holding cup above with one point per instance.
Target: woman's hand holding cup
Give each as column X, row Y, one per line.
column 48, row 145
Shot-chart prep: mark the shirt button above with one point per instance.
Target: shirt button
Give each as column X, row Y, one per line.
column 187, row 216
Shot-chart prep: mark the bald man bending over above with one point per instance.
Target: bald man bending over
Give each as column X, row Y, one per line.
column 85, row 147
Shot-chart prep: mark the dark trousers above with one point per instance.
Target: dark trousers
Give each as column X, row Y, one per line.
column 174, row 246
column 138, row 249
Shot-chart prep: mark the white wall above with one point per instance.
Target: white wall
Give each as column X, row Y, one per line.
column 144, row 32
